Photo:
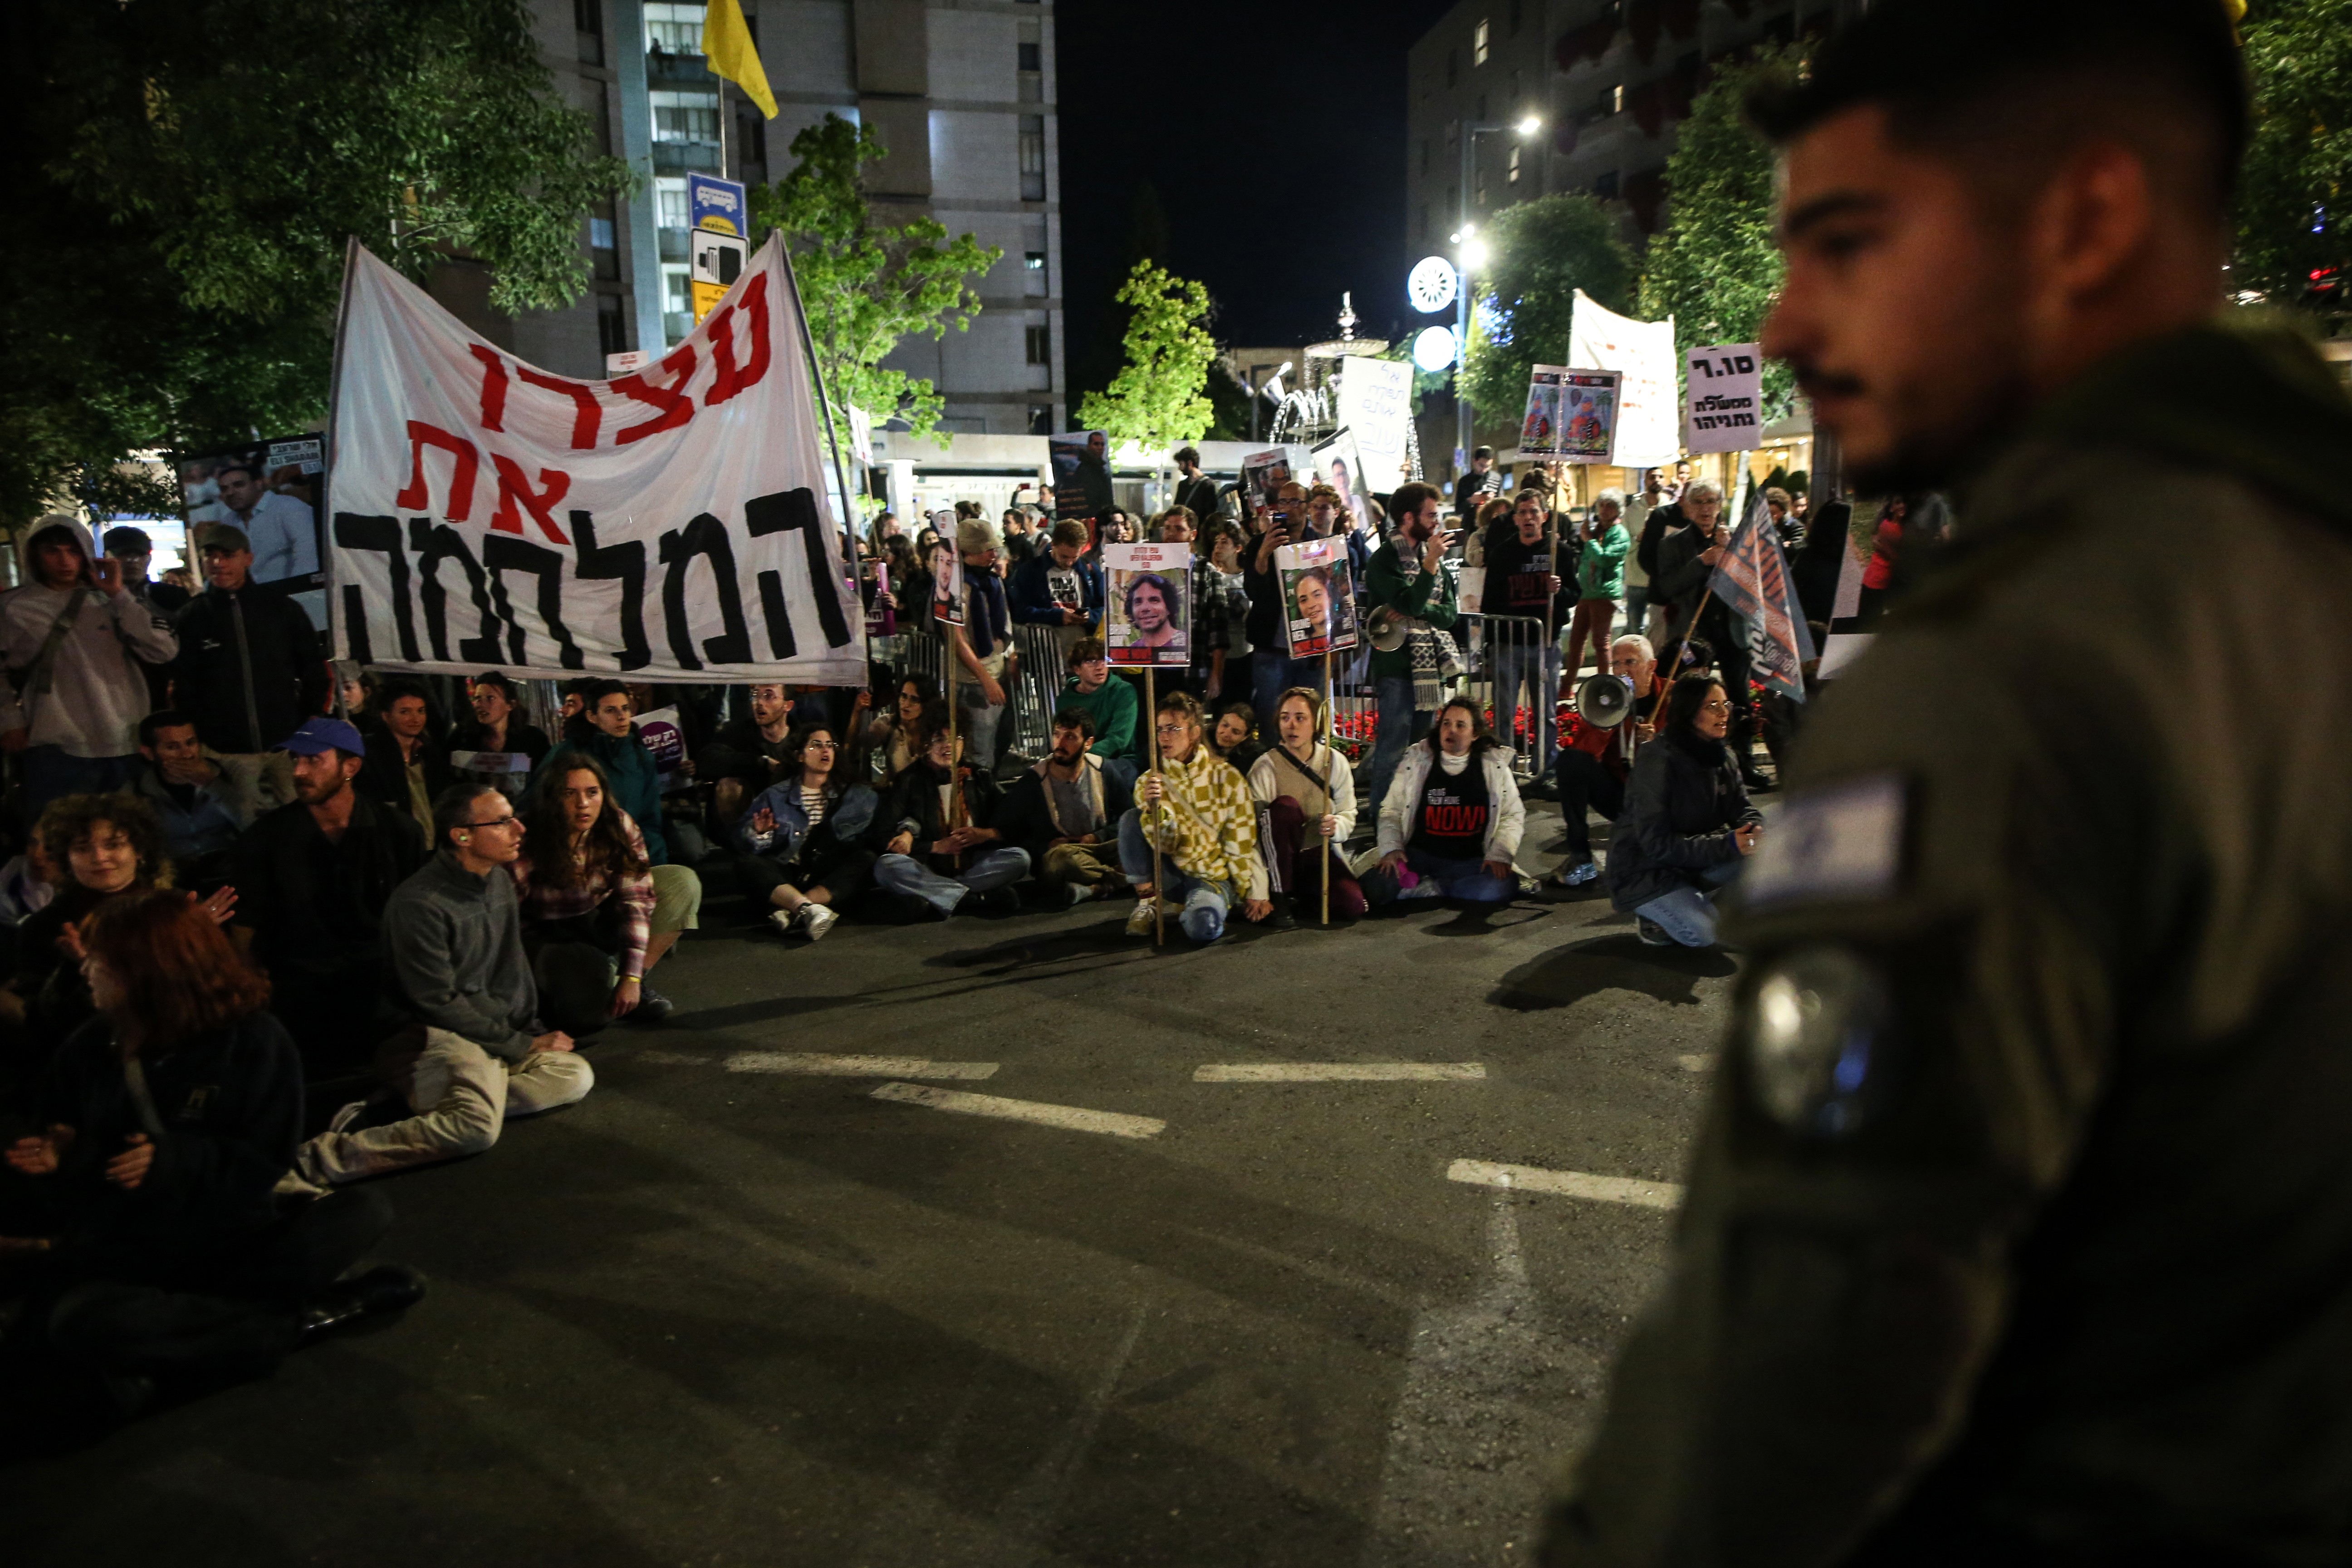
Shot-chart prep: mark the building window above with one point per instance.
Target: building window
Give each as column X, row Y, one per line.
column 673, row 29
column 1478, row 43
column 612, row 326
column 1033, row 159
column 1041, row 419
column 1513, row 177
column 1041, row 345
column 1617, row 98
column 686, row 117
column 600, row 234
column 588, row 25
column 677, row 304
column 1033, row 273
column 1605, row 187
column 669, row 203
column 1031, row 57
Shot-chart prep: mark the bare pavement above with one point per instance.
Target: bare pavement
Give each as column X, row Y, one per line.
column 1244, row 1307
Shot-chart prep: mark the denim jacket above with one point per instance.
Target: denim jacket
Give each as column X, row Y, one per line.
column 849, row 817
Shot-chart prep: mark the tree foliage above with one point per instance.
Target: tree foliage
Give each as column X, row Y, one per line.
column 1158, row 398
column 185, row 175
column 1715, row 268
column 868, row 286
column 2291, row 209
column 1539, row 253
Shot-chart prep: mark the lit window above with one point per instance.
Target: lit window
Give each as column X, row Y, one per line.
column 670, row 204
column 1478, row 43
column 673, row 29
column 1514, row 175
column 1617, row 98
column 686, row 117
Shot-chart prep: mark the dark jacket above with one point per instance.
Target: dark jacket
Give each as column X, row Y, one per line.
column 914, row 804
column 1681, row 582
column 1029, row 594
column 249, row 670
column 1507, row 561
column 1200, row 495
column 1817, row 563
column 315, row 908
column 230, row 1107
column 740, row 752
column 56, row 997
column 1681, row 804
column 635, row 781
column 383, row 775
column 455, row 945
column 1026, row 817
column 528, row 740
column 1653, row 534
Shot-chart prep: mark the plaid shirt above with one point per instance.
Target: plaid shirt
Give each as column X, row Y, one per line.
column 545, row 904
column 1207, row 823
column 1219, row 604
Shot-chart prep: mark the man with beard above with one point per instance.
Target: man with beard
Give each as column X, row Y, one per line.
column 747, row 756
column 2017, row 1226
column 312, row 880
column 1150, row 610
column 1065, row 810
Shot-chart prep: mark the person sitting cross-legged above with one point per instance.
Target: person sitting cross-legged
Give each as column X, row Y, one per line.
column 1108, row 703
column 1197, row 811
column 168, row 1124
column 1311, row 798
column 1452, row 820
column 941, row 862
column 803, row 851
column 1591, row 768
column 473, row 1057
column 1065, row 810
column 596, row 916
column 1686, row 826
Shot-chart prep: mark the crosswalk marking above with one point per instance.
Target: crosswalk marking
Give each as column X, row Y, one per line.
column 1567, row 1183
column 1074, row 1118
column 1339, row 1072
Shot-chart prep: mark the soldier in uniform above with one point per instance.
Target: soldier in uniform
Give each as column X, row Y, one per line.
column 2019, row 1228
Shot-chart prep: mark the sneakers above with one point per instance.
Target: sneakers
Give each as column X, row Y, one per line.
column 1139, row 923
column 1577, row 875
column 1003, row 900
column 653, row 1008
column 1653, row 934
column 387, row 1288
column 815, row 920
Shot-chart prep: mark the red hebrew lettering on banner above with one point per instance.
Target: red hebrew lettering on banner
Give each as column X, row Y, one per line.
column 672, row 525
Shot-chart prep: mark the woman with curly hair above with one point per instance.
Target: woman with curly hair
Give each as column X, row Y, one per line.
column 170, row 1117
column 596, row 917
column 109, row 846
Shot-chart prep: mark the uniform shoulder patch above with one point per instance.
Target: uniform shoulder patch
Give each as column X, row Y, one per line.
column 1841, row 841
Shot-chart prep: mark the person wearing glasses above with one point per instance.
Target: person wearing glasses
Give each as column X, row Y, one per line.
column 1686, row 825
column 474, row 1054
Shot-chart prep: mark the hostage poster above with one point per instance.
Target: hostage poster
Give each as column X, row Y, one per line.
column 273, row 492
column 1338, row 464
column 1149, row 620
column 1588, row 414
column 1318, row 599
column 671, row 524
column 1539, row 429
column 1081, row 461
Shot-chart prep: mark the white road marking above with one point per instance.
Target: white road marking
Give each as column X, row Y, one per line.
column 1069, row 1116
column 1695, row 1064
column 1569, row 1183
column 1339, row 1072
column 674, row 1058
column 855, row 1067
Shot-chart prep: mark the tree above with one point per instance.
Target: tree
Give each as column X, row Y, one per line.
column 867, row 286
column 2294, row 244
column 1158, row 399
column 185, row 175
column 1715, row 268
column 1539, row 253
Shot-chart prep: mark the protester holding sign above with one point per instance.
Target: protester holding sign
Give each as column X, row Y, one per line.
column 1197, row 812
column 1150, row 587
column 1282, row 522
column 1065, row 811
column 1524, row 580
column 1321, row 599
column 1310, row 795
column 498, row 746
column 943, row 848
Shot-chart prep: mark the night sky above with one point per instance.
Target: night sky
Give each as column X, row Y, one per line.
column 1273, row 135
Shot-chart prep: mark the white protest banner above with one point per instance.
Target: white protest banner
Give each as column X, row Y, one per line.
column 1648, row 427
column 1590, row 414
column 1376, row 402
column 1539, row 429
column 671, row 524
column 1318, row 597
column 1150, row 611
column 1724, row 391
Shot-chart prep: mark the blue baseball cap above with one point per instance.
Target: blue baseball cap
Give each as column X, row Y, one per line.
column 320, row 735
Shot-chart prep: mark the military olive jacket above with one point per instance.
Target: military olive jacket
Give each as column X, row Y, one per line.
column 2020, row 1219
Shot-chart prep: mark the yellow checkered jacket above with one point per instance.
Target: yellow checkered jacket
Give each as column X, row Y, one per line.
column 1207, row 823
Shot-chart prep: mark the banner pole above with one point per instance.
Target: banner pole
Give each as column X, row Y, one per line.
column 1327, row 847
column 833, row 440
column 1676, row 666
column 1151, row 717
column 338, row 634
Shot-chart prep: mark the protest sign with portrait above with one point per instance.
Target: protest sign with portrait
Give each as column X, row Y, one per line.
column 1081, row 460
column 274, row 493
column 1588, row 414
column 1337, row 463
column 1149, row 621
column 1318, row 597
column 947, row 585
column 1539, row 429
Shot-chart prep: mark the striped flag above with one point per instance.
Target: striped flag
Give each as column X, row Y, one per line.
column 1752, row 581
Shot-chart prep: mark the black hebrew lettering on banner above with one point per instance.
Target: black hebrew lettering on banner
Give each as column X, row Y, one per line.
column 670, row 525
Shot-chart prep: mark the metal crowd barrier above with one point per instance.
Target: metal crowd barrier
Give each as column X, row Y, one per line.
column 1036, row 683
column 1491, row 646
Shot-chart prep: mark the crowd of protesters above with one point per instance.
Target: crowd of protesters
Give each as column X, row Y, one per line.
column 270, row 933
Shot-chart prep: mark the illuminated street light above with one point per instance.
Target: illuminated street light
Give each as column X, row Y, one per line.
column 1529, row 126
column 1474, row 254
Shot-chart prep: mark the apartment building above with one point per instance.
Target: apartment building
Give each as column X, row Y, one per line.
column 962, row 93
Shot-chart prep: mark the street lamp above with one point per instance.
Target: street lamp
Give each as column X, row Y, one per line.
column 1473, row 254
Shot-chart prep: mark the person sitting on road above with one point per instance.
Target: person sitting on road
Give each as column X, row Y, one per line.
column 1686, row 825
column 1310, row 796
column 606, row 729
column 803, row 857
column 1110, row 703
column 407, row 768
column 1451, row 824
column 596, row 917
column 1197, row 811
column 498, row 733
column 111, row 846
column 938, row 866
column 749, row 754
column 1235, row 736
column 170, row 1117
column 474, row 1056
column 197, row 804
column 893, row 737
column 1065, row 810
column 1591, row 769
column 313, row 880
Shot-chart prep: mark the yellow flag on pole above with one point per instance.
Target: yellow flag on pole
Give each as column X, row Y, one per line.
column 726, row 45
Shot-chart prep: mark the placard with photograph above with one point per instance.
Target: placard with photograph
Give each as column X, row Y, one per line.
column 1149, row 621
column 1318, row 597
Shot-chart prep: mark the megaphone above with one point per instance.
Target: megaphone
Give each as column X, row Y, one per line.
column 1388, row 629
column 1604, row 701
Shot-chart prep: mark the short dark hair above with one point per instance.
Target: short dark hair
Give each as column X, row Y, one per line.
column 1077, row 718
column 393, row 690
column 1153, row 581
column 1485, row 452
column 595, row 691
column 1085, row 650
column 127, row 540
column 1188, row 455
column 238, row 466
column 2039, row 74
column 163, row 719
column 1407, row 499
column 496, row 677
column 454, row 807
column 1237, row 709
